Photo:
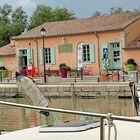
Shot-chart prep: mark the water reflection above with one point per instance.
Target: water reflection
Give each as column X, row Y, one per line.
column 12, row 118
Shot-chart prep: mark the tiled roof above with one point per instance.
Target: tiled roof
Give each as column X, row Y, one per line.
column 87, row 25
column 135, row 44
column 7, row 50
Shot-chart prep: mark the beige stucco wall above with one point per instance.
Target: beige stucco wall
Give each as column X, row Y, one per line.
column 132, row 32
column 124, row 37
column 132, row 53
column 69, row 58
column 10, row 63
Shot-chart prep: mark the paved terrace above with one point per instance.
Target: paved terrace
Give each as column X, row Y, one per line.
column 64, row 87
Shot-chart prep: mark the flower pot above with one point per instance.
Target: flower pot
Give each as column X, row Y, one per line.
column 115, row 76
column 104, row 77
column 63, row 73
column 130, row 67
column 3, row 73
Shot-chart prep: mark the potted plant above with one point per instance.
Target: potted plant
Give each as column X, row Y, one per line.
column 130, row 65
column 3, row 72
column 64, row 70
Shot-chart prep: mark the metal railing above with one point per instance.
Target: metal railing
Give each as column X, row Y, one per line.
column 101, row 116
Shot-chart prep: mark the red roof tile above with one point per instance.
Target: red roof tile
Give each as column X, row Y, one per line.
column 80, row 26
column 7, row 50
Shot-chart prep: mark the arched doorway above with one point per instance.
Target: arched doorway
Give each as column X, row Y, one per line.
column 79, row 55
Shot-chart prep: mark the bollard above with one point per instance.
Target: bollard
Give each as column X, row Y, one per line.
column 81, row 73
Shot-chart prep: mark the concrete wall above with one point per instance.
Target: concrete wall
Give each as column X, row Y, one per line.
column 98, row 89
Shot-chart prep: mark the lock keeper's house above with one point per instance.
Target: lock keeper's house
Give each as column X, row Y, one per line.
column 91, row 43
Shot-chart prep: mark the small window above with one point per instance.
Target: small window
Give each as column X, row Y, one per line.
column 47, row 55
column 86, row 53
column 22, row 52
column 115, row 45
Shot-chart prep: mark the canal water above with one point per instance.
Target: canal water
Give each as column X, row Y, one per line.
column 13, row 118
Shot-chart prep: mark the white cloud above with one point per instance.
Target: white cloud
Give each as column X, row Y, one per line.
column 27, row 5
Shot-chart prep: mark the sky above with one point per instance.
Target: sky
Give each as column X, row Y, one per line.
column 81, row 8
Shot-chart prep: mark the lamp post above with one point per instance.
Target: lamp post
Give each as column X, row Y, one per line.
column 43, row 33
column 98, row 55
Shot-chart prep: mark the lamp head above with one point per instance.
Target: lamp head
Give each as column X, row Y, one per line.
column 43, row 31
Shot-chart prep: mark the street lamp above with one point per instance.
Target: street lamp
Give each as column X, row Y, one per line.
column 98, row 55
column 43, row 33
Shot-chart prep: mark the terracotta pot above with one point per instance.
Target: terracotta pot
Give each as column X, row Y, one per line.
column 104, row 77
column 115, row 76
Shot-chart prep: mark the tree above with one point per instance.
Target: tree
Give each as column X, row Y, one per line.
column 41, row 15
column 60, row 14
column 137, row 10
column 5, row 13
column 116, row 10
column 96, row 14
column 45, row 13
column 18, row 21
column 4, row 34
column 12, row 23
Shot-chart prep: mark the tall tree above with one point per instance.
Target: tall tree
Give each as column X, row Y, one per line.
column 5, row 12
column 11, row 23
column 41, row 15
column 4, row 34
column 96, row 14
column 137, row 9
column 60, row 14
column 18, row 21
column 44, row 13
column 116, row 10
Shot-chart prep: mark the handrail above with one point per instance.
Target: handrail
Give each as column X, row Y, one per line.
column 102, row 116
column 114, row 117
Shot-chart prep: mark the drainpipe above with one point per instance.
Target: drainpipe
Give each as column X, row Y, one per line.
column 31, row 62
column 98, row 46
column 37, row 54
